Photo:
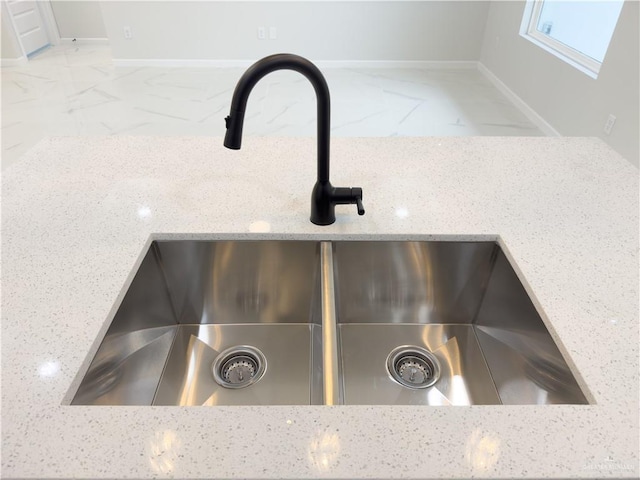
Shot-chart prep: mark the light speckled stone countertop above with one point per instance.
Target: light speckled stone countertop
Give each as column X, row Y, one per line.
column 78, row 213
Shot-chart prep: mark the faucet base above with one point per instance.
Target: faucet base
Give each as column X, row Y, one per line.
column 325, row 197
column 323, row 211
column 323, row 223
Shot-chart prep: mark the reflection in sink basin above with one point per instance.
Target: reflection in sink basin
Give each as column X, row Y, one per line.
column 192, row 300
column 461, row 301
column 278, row 322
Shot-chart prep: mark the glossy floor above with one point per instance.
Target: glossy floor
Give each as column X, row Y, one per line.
column 76, row 90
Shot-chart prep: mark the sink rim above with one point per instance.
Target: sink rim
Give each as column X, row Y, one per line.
column 494, row 238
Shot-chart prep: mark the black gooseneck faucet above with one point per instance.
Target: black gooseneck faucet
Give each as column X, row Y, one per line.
column 324, row 197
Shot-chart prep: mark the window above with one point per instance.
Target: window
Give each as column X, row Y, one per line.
column 578, row 32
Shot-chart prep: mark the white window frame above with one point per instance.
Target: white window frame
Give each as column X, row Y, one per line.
column 528, row 30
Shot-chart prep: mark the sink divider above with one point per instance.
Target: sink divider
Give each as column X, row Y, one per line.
column 331, row 391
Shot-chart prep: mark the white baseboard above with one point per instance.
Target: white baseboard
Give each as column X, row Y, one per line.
column 153, row 62
column 84, row 41
column 14, row 62
column 520, row 104
column 409, row 64
column 169, row 63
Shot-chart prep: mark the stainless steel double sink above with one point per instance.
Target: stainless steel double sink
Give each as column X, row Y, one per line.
column 288, row 322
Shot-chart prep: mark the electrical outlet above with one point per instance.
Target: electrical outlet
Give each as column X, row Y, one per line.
column 608, row 126
column 262, row 33
column 273, row 33
column 127, row 32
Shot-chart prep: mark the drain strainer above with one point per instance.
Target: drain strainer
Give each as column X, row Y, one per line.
column 239, row 366
column 413, row 367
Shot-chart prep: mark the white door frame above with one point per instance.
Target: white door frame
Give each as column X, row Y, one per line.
column 49, row 19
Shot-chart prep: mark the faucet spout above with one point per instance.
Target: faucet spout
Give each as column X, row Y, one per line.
column 324, row 196
column 282, row 61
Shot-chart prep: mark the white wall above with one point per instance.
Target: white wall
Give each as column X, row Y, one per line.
column 79, row 19
column 572, row 102
column 434, row 30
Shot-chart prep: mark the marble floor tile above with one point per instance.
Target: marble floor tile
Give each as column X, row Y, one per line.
column 76, row 90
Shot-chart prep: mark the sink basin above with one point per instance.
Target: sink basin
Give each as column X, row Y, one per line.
column 214, row 323
column 464, row 305
column 276, row 322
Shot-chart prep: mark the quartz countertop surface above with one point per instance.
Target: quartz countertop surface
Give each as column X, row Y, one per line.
column 78, row 213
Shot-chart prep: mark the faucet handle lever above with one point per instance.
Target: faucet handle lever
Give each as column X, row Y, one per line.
column 357, row 196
